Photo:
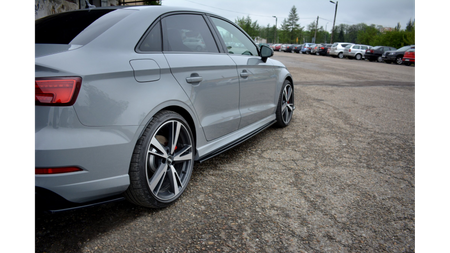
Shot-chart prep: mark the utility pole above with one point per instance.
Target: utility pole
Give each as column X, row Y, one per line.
column 335, row 12
column 315, row 33
column 275, row 31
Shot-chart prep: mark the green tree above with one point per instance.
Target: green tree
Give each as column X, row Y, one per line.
column 268, row 33
column 290, row 28
column 250, row 27
column 367, row 35
column 410, row 25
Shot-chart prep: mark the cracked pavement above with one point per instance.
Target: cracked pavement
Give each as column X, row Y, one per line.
column 340, row 178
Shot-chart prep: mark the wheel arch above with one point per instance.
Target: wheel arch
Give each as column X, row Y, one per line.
column 290, row 79
column 179, row 108
column 186, row 115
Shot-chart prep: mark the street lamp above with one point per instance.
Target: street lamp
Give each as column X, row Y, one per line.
column 335, row 12
column 275, row 32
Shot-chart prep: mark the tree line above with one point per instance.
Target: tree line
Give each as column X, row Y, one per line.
column 291, row 32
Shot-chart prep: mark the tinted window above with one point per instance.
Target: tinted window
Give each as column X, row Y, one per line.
column 236, row 41
column 187, row 33
column 152, row 41
column 77, row 27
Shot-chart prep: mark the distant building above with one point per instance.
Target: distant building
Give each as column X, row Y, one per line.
column 260, row 40
column 386, row 29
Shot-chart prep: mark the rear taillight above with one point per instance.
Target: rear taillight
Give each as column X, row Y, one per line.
column 42, row 171
column 322, row 48
column 349, row 50
column 56, row 91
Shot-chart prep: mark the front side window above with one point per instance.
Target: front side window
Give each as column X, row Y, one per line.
column 187, row 33
column 236, row 41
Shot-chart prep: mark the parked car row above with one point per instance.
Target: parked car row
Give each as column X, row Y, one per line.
column 404, row 55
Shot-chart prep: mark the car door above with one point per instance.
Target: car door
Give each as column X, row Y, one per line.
column 257, row 79
column 208, row 77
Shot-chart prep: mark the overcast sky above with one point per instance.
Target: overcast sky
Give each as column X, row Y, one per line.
column 379, row 12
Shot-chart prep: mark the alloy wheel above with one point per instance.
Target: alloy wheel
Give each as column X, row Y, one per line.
column 287, row 106
column 169, row 160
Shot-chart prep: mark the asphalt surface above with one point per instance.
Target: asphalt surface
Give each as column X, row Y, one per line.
column 340, row 178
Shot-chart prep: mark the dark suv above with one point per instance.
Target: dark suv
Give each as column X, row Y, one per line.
column 375, row 53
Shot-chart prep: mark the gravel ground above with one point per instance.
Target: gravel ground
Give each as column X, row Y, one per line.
column 340, row 178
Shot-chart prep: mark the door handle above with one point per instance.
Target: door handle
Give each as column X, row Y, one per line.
column 194, row 78
column 244, row 73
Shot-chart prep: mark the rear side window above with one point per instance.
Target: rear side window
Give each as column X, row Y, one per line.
column 187, row 33
column 152, row 41
column 77, row 27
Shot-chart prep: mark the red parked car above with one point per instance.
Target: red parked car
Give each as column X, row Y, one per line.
column 277, row 47
column 410, row 57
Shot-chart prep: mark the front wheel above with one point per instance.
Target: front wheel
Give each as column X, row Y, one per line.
column 285, row 108
column 162, row 161
column 399, row 60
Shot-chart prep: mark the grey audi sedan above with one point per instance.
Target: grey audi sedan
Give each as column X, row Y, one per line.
column 127, row 99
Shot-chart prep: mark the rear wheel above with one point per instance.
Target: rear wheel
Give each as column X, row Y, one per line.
column 399, row 60
column 162, row 161
column 380, row 59
column 341, row 55
column 358, row 57
column 285, row 108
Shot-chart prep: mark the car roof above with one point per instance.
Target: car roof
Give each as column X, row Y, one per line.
column 158, row 9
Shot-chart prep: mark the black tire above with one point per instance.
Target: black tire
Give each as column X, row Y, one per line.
column 399, row 60
column 380, row 59
column 162, row 161
column 285, row 108
column 341, row 55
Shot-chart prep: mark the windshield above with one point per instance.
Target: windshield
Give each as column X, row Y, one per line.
column 404, row 48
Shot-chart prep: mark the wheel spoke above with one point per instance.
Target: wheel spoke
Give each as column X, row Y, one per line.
column 285, row 94
column 184, row 154
column 156, row 144
column 175, row 181
column 286, row 115
column 288, row 93
column 283, row 107
column 158, row 178
column 290, row 106
column 174, row 136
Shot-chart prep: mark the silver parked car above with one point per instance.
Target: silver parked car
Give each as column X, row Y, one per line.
column 337, row 49
column 356, row 51
column 128, row 98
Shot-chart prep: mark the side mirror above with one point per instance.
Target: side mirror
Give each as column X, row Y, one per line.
column 265, row 52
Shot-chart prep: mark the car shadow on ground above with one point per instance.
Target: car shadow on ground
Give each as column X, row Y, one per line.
column 67, row 231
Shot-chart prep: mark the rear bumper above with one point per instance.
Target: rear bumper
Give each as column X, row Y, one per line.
column 102, row 153
column 411, row 60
